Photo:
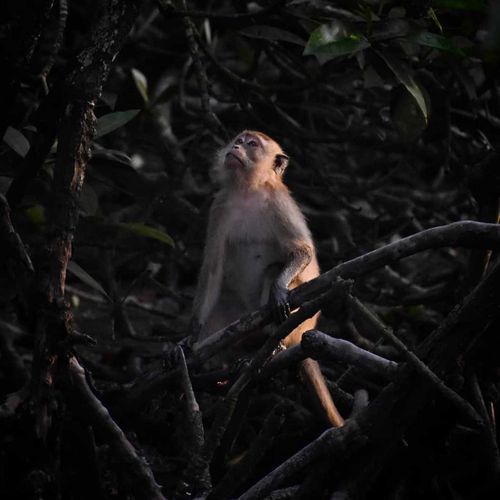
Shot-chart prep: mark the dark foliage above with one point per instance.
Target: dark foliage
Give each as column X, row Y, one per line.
column 112, row 111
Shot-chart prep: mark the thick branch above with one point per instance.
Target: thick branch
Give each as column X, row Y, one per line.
column 318, row 345
column 384, row 421
column 337, row 442
column 195, row 479
column 226, row 408
column 76, row 130
column 465, row 234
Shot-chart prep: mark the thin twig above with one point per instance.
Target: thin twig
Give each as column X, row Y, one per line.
column 462, row 405
column 56, row 46
column 169, row 11
column 210, row 117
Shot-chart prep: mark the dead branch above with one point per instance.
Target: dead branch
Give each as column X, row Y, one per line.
column 226, row 408
column 318, row 345
column 336, row 443
column 195, row 478
column 463, row 406
column 386, row 418
column 466, row 234
column 282, row 360
column 12, row 245
column 138, row 474
column 243, row 469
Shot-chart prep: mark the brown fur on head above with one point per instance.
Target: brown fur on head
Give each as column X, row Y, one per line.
column 251, row 158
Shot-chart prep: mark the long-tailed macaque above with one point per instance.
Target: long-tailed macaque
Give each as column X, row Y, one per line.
column 258, row 247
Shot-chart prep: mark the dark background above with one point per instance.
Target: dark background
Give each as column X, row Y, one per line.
column 390, row 113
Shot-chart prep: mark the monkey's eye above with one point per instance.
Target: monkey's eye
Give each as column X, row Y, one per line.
column 239, row 141
column 253, row 143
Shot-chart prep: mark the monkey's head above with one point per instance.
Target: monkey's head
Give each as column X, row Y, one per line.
column 252, row 156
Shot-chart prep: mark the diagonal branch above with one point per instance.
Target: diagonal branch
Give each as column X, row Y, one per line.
column 384, row 421
column 463, row 406
column 466, row 234
column 138, row 474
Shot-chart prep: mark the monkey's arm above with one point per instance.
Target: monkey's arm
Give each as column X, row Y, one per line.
column 300, row 265
column 294, row 238
column 299, row 256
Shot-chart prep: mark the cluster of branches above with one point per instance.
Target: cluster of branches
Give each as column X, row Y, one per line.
column 389, row 111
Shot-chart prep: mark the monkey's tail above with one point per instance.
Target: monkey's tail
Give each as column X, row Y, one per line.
column 314, row 379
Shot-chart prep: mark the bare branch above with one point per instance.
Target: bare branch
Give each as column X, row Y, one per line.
column 195, row 478
column 337, row 443
column 140, row 479
column 318, row 345
column 467, row 234
column 463, row 406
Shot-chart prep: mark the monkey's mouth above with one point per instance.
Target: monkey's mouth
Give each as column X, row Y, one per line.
column 232, row 155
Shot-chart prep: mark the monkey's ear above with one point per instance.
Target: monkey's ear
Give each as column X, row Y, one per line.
column 280, row 163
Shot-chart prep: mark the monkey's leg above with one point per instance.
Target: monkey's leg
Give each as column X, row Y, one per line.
column 316, row 382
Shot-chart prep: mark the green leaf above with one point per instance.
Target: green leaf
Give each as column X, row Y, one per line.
column 85, row 277
column 36, row 214
column 112, row 155
column 112, row 121
column 434, row 17
column 435, row 41
column 16, row 140
column 403, row 74
column 459, row 4
column 406, row 115
column 149, row 232
column 334, row 40
column 271, row 33
column 141, row 83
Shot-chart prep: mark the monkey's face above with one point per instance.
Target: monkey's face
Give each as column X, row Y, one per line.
column 252, row 157
column 246, row 152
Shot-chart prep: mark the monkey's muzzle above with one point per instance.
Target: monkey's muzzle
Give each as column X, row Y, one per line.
column 233, row 159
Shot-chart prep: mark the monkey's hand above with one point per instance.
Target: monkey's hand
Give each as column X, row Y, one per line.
column 278, row 303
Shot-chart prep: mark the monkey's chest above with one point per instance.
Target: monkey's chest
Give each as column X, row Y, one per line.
column 249, row 221
column 251, row 266
column 252, row 254
column 250, row 241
